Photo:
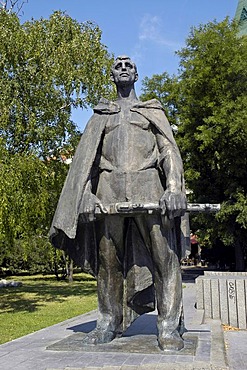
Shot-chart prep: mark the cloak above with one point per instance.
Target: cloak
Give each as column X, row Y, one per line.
column 78, row 239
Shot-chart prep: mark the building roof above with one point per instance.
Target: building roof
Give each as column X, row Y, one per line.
column 241, row 17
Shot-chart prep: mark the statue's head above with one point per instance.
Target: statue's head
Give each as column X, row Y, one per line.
column 124, row 71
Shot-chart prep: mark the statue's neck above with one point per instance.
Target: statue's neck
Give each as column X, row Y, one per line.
column 126, row 93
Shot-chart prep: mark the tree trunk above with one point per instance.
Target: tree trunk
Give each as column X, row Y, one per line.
column 68, row 267
column 70, row 272
column 239, row 257
column 55, row 264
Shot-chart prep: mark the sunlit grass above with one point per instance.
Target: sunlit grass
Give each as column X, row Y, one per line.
column 43, row 301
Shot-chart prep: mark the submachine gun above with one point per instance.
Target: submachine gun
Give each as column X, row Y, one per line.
column 127, row 208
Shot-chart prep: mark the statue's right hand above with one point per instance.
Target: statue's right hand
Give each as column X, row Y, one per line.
column 89, row 204
column 93, row 203
column 101, row 208
column 88, row 207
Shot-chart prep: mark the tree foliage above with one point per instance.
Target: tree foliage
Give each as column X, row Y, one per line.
column 213, row 97
column 213, row 93
column 12, row 5
column 29, row 190
column 164, row 88
column 210, row 101
column 47, row 68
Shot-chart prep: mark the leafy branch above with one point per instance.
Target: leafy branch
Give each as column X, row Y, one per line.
column 9, row 5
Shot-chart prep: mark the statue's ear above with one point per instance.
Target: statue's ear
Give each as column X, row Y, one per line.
column 112, row 77
column 136, row 77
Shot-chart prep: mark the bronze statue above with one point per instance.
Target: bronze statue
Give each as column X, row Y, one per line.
column 126, row 160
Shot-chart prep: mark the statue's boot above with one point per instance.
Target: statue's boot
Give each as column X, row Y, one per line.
column 170, row 342
column 99, row 336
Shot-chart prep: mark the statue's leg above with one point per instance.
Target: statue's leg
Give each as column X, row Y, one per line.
column 168, row 283
column 109, row 280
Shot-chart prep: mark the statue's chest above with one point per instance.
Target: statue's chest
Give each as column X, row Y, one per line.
column 125, row 125
column 128, row 138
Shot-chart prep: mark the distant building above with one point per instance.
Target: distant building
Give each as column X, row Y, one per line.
column 241, row 17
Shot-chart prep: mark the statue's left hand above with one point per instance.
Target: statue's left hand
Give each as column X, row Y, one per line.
column 173, row 203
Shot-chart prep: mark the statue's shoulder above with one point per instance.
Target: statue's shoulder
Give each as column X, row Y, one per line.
column 149, row 104
column 154, row 112
column 106, row 106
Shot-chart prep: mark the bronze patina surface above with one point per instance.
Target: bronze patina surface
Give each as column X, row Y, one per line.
column 127, row 155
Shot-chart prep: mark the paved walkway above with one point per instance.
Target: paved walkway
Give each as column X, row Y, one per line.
column 59, row 348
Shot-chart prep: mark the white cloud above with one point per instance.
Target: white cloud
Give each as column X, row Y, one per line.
column 151, row 30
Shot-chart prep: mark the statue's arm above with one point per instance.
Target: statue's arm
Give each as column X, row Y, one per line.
column 89, row 200
column 174, row 199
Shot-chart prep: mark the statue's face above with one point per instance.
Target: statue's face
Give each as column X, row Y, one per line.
column 124, row 72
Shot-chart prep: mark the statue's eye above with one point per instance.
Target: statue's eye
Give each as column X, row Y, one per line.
column 129, row 65
column 118, row 66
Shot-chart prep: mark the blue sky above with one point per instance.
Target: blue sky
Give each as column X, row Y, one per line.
column 149, row 31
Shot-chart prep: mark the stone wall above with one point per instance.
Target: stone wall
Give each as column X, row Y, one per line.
column 223, row 296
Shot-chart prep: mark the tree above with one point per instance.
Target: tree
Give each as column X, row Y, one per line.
column 213, row 132
column 25, row 205
column 164, row 88
column 12, row 5
column 211, row 106
column 47, row 68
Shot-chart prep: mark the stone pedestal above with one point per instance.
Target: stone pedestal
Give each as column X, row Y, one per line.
column 223, row 295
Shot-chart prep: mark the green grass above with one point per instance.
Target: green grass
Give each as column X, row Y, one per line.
column 43, row 301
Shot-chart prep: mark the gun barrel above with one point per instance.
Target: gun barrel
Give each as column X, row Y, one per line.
column 128, row 208
column 203, row 207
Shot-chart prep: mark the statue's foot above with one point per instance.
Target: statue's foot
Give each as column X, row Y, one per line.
column 98, row 336
column 170, row 342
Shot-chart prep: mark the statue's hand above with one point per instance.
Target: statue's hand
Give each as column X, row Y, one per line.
column 174, row 203
column 89, row 204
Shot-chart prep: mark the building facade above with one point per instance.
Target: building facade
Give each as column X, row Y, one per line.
column 241, row 17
